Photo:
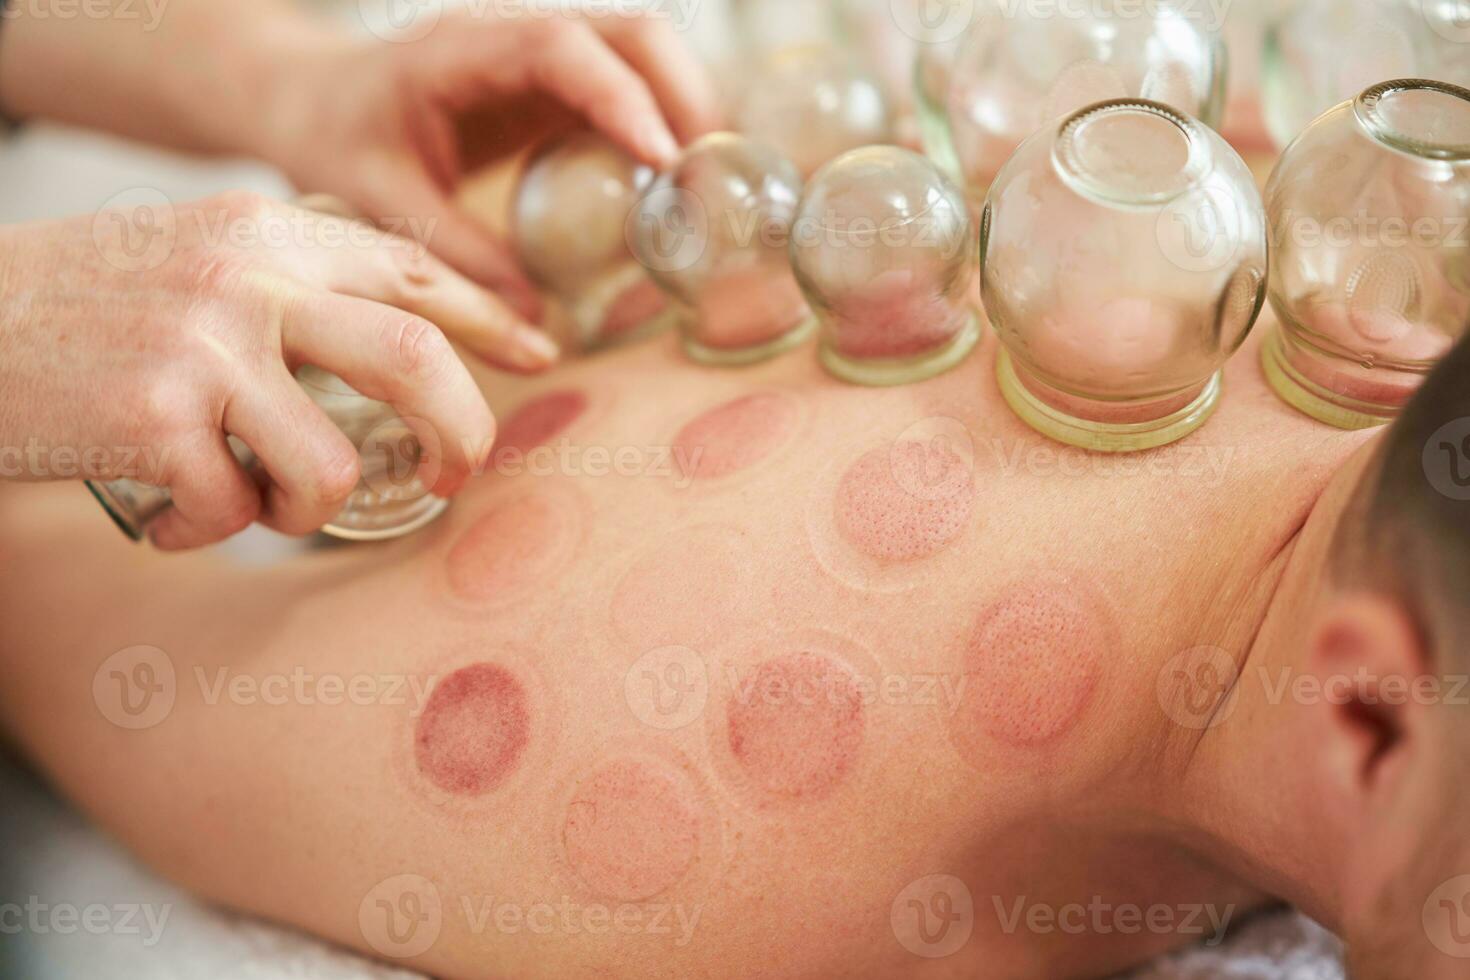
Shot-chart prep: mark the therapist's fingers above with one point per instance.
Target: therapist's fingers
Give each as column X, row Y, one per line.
column 678, row 80
column 397, row 357
column 213, row 497
column 313, row 468
column 403, row 273
column 461, row 241
column 566, row 58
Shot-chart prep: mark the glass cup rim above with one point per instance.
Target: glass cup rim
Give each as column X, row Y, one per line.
column 1367, row 109
column 1074, row 171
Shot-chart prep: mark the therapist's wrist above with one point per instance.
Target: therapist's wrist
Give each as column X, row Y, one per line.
column 274, row 76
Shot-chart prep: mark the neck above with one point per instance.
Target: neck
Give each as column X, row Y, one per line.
column 1249, row 801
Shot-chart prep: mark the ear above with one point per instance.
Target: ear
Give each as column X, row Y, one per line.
column 1370, row 659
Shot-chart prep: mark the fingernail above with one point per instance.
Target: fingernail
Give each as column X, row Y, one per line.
column 540, row 350
column 661, row 145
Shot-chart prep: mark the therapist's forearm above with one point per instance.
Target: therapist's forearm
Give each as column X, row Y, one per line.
column 203, row 76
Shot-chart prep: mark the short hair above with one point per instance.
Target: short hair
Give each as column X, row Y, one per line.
column 1407, row 531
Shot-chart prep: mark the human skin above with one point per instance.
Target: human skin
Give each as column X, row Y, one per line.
column 791, row 829
column 388, row 126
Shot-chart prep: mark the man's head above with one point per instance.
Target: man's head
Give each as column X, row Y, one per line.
column 1394, row 628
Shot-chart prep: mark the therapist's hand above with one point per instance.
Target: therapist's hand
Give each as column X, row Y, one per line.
column 136, row 341
column 392, row 127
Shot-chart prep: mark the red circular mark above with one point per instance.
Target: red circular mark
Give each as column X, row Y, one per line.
column 693, row 587
column 632, row 830
column 893, row 316
column 735, row 435
column 517, row 543
column 796, row 726
column 541, row 420
column 474, row 730
column 1031, row 664
column 906, row 502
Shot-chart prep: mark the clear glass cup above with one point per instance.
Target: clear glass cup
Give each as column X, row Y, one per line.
column 713, row 233
column 933, row 68
column 1022, row 66
column 568, row 213
column 1370, row 260
column 813, row 103
column 1122, row 263
column 392, row 498
column 1323, row 52
column 883, row 248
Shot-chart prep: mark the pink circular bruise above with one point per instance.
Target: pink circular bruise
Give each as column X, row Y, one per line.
column 1031, row 664
column 906, row 502
column 515, row 544
column 796, row 726
column 895, row 316
column 693, row 587
column 541, row 420
column 473, row 730
column 632, row 830
column 734, row 436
